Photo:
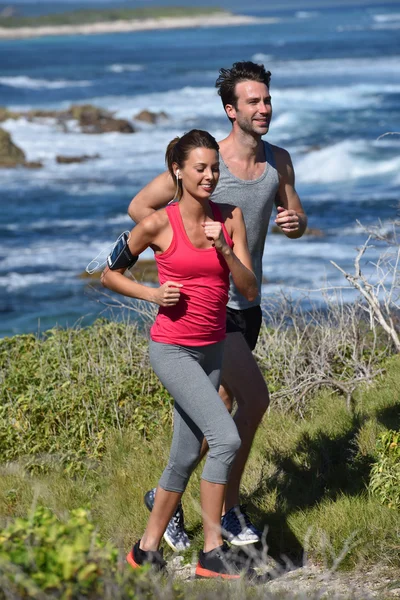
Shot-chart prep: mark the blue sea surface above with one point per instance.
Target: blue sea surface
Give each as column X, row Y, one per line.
column 335, row 90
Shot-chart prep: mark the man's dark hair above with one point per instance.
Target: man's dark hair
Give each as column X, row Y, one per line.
column 240, row 71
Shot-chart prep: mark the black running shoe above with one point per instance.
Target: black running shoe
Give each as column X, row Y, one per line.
column 175, row 534
column 138, row 558
column 221, row 562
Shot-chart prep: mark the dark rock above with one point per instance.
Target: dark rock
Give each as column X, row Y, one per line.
column 10, row 154
column 67, row 160
column 97, row 120
column 44, row 114
column 313, row 148
column 314, row 232
column 33, row 165
column 90, row 118
column 8, row 114
column 147, row 116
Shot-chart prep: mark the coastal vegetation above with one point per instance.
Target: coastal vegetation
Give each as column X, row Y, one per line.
column 109, row 15
column 85, row 428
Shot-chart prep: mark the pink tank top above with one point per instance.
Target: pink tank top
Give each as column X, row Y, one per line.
column 199, row 317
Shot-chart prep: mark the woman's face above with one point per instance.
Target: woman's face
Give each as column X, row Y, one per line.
column 200, row 172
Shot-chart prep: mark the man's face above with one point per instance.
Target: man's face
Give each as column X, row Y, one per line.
column 253, row 110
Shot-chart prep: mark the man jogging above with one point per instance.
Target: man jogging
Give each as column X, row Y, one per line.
column 255, row 176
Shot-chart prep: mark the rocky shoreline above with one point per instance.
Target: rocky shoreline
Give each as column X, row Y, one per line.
column 220, row 19
column 90, row 119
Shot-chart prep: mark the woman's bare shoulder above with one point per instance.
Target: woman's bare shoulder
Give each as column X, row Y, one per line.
column 156, row 222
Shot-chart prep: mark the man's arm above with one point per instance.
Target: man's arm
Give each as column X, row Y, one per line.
column 153, row 196
column 291, row 217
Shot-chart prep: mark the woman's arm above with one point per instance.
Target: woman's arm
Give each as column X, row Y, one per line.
column 142, row 236
column 238, row 260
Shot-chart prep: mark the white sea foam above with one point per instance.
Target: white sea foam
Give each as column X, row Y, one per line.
column 307, row 261
column 128, row 158
column 22, row 81
column 65, row 259
column 343, row 28
column 46, row 224
column 386, row 26
column 185, row 103
column 387, row 17
column 50, row 254
column 261, row 58
column 385, row 227
column 390, row 139
column 335, row 66
column 122, row 68
column 13, row 281
column 122, row 219
column 306, row 14
column 325, row 98
column 344, row 161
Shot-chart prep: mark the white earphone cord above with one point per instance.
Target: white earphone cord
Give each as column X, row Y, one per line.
column 98, row 265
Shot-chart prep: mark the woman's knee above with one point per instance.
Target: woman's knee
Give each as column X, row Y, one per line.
column 235, row 442
column 178, row 471
column 186, row 462
column 227, row 446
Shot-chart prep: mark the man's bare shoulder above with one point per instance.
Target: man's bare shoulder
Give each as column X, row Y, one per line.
column 283, row 163
column 280, row 154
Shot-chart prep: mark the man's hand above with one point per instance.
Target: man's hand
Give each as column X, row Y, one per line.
column 214, row 233
column 288, row 220
column 168, row 294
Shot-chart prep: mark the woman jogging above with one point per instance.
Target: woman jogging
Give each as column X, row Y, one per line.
column 197, row 245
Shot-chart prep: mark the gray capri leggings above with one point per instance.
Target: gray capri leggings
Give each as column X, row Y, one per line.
column 192, row 376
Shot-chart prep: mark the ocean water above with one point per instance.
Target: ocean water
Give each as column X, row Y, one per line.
column 335, row 90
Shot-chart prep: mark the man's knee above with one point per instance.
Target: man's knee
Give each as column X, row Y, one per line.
column 226, row 396
column 261, row 404
column 254, row 406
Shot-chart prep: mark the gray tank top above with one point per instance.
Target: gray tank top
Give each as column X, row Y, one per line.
column 256, row 200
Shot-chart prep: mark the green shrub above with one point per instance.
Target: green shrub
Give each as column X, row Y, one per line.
column 42, row 557
column 42, row 553
column 60, row 395
column 385, row 473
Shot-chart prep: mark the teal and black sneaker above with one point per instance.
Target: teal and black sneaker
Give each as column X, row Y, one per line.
column 238, row 529
column 175, row 534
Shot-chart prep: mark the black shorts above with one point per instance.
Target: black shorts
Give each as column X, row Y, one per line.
column 246, row 321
